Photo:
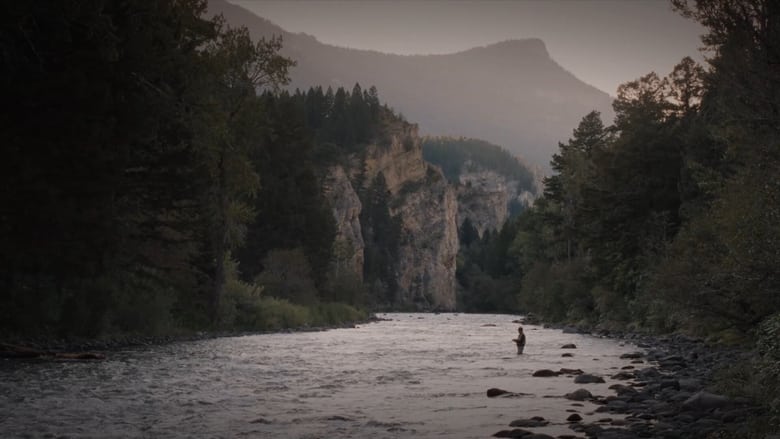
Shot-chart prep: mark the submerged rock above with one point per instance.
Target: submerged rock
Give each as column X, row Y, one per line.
column 517, row 432
column 536, row 421
column 493, row 392
column 579, row 395
column 588, row 379
column 631, row 355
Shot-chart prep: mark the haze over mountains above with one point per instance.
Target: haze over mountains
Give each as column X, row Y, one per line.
column 511, row 93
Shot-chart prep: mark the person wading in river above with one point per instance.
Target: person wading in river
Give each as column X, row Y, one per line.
column 520, row 340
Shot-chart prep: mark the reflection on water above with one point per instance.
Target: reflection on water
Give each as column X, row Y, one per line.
column 418, row 375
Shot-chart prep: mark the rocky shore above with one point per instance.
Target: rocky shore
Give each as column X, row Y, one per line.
column 61, row 348
column 661, row 392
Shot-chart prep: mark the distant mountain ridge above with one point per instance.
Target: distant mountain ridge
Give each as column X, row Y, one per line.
column 510, row 93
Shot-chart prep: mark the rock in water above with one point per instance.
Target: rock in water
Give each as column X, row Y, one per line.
column 536, row 421
column 492, row 392
column 517, row 432
column 579, row 395
column 588, row 379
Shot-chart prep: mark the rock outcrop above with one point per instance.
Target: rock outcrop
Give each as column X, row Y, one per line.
column 345, row 205
column 427, row 207
column 424, row 203
column 485, row 197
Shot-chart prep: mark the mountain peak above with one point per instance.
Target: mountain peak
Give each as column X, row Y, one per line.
column 528, row 47
column 533, row 44
column 511, row 93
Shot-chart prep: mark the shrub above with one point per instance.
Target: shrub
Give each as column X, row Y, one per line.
column 758, row 378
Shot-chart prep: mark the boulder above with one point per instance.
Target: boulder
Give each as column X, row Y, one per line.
column 574, row 418
column 631, row 355
column 545, row 373
column 623, row 376
column 588, row 379
column 566, row 371
column 648, row 373
column 579, row 395
column 536, row 421
column 569, row 346
column 703, row 400
column 492, row 392
column 690, row 384
column 517, row 432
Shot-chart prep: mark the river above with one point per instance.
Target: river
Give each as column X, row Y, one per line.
column 416, row 375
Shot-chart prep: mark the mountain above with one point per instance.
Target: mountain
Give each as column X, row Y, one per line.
column 510, row 93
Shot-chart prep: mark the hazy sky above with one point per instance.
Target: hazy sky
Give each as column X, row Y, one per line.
column 603, row 42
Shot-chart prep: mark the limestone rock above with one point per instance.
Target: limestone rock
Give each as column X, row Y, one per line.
column 484, row 197
column 345, row 206
column 427, row 207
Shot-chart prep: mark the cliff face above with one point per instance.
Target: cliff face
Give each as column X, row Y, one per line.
column 399, row 158
column 429, row 244
column 427, row 207
column 345, row 205
column 484, row 198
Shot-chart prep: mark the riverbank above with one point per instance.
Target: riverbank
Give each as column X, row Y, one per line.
column 106, row 344
column 649, row 392
column 665, row 390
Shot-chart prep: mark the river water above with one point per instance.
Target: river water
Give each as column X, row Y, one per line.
column 415, row 376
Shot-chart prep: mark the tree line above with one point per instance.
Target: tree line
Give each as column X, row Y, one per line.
column 667, row 219
column 157, row 179
column 456, row 155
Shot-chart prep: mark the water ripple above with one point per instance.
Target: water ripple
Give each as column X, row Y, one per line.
column 419, row 376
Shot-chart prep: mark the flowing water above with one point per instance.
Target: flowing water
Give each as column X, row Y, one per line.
column 415, row 376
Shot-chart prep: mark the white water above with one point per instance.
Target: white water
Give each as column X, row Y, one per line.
column 419, row 375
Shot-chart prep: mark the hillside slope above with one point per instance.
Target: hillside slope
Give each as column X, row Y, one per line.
column 510, row 93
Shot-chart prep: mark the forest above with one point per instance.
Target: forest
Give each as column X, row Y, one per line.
column 157, row 178
column 667, row 220
column 455, row 156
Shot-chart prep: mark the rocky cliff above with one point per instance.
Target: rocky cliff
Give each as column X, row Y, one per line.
column 429, row 244
column 427, row 208
column 485, row 197
column 345, row 206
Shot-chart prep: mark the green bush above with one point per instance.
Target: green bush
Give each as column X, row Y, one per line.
column 271, row 314
column 244, row 307
column 336, row 313
column 769, row 366
column 758, row 378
